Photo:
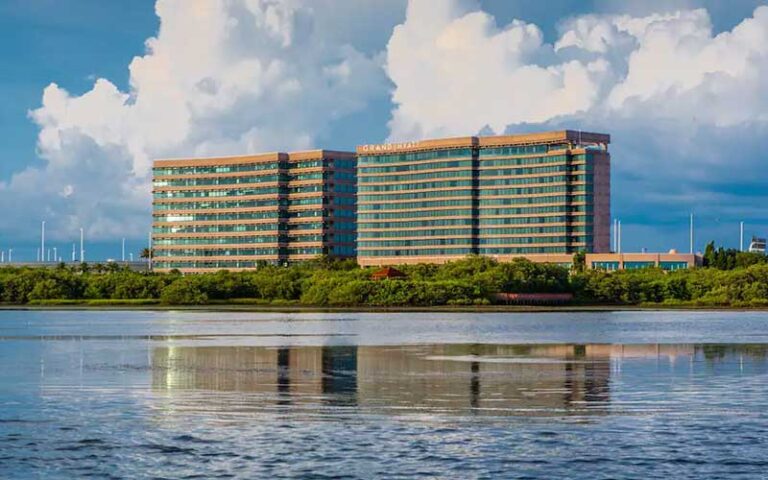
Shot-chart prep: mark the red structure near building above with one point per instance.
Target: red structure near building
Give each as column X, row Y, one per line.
column 387, row 272
column 534, row 298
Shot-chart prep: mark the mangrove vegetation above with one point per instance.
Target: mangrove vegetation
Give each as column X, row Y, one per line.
column 728, row 278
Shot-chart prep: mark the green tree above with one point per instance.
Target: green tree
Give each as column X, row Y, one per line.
column 183, row 292
column 579, row 261
column 47, row 289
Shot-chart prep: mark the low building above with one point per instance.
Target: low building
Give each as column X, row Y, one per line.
column 757, row 245
column 633, row 261
column 617, row 261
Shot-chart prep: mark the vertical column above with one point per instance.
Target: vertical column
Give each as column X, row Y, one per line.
column 601, row 197
column 475, row 192
column 282, row 208
column 569, row 190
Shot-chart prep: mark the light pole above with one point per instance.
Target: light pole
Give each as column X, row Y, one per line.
column 691, row 233
column 82, row 250
column 42, row 240
column 741, row 236
column 55, row 255
column 123, row 251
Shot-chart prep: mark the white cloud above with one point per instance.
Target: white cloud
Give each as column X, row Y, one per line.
column 663, row 65
column 687, row 108
column 456, row 71
column 220, row 77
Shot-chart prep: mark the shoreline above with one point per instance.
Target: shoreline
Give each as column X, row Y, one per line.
column 234, row 307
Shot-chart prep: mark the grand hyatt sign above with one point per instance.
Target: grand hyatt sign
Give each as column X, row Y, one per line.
column 387, row 147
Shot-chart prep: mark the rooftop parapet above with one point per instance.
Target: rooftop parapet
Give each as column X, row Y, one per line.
column 561, row 136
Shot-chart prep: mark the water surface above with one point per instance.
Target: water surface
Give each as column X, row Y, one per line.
column 240, row 395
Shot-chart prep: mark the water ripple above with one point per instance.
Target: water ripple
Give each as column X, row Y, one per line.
column 211, row 398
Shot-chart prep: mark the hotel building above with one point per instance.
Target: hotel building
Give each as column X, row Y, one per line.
column 239, row 212
column 532, row 195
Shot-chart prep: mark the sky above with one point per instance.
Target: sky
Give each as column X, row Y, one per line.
column 93, row 91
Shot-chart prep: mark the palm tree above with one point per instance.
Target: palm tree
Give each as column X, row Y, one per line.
column 147, row 253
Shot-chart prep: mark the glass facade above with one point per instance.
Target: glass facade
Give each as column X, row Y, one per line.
column 431, row 201
column 607, row 266
column 672, row 266
column 275, row 208
column 406, row 199
column 638, row 265
column 545, row 170
column 471, row 196
column 649, row 260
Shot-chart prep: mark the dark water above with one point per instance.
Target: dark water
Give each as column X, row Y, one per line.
column 207, row 395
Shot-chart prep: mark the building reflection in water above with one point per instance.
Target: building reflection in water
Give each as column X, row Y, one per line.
column 468, row 378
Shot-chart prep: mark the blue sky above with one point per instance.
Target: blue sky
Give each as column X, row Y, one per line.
column 44, row 43
column 676, row 147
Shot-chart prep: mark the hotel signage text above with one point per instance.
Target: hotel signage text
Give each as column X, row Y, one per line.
column 386, row 147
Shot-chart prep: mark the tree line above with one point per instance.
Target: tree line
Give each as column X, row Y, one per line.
column 325, row 282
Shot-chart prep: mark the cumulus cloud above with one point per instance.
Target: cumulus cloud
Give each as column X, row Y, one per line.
column 660, row 66
column 220, row 77
column 687, row 107
column 502, row 75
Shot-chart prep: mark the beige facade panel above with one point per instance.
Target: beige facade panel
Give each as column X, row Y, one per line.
column 406, row 260
column 254, row 173
column 234, row 186
column 436, row 189
column 423, row 237
column 436, row 144
column 216, row 258
column 412, row 172
column 493, row 141
column 255, row 233
column 318, row 155
column 258, row 221
column 552, row 153
column 544, row 137
column 692, row 260
column 216, row 161
column 418, row 219
column 412, row 209
column 187, row 211
column 242, row 198
column 411, row 249
column 220, row 246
